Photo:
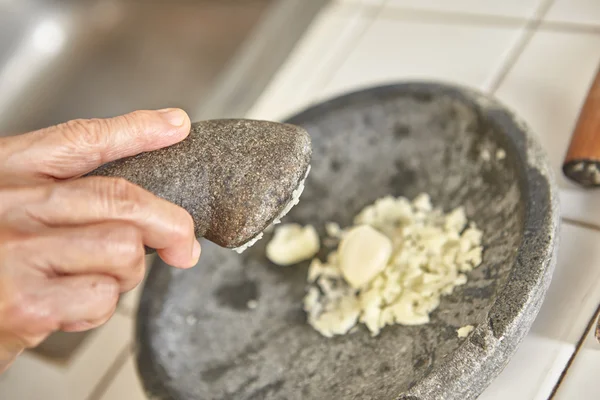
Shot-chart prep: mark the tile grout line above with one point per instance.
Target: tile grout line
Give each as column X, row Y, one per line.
column 111, row 373
column 460, row 17
column 326, row 53
column 578, row 347
column 569, row 27
column 368, row 12
column 580, row 224
column 591, row 323
column 453, row 17
column 506, row 65
column 527, row 33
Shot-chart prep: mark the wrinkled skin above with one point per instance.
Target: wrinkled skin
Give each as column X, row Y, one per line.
column 69, row 246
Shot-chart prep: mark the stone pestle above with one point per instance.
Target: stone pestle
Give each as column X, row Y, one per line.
column 234, row 176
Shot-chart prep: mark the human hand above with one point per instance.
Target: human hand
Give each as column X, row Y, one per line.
column 70, row 245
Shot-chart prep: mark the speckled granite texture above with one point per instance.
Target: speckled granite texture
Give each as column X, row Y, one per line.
column 198, row 340
column 233, row 176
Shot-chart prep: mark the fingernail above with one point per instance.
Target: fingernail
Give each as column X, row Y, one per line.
column 173, row 116
column 196, row 252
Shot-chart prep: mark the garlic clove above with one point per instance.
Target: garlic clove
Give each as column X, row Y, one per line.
column 293, row 243
column 364, row 253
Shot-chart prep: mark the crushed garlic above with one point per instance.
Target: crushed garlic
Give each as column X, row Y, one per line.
column 464, row 331
column 411, row 255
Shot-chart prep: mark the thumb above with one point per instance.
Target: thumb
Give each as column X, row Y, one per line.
column 77, row 147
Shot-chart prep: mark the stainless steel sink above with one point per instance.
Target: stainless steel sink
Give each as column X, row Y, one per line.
column 66, row 59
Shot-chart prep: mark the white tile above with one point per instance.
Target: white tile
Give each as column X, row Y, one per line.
column 321, row 48
column 581, row 380
column 580, row 205
column 18, row 382
column 578, row 11
column 130, row 300
column 572, row 299
column 532, row 371
column 512, row 8
column 547, row 87
column 32, row 377
column 548, row 84
column 392, row 50
column 126, row 385
column 574, row 293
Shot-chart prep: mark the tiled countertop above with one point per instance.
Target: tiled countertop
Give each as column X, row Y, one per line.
column 536, row 56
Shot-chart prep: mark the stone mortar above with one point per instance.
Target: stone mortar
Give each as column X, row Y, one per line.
column 197, row 339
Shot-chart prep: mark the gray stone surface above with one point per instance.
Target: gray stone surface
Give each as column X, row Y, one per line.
column 198, row 340
column 233, row 176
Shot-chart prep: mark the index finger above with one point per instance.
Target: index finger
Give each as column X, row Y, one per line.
column 77, row 147
column 165, row 227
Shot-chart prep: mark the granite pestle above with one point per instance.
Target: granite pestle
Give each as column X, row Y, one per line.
column 234, row 176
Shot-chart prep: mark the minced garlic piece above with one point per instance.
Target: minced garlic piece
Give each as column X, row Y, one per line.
column 464, row 331
column 252, row 304
column 333, row 230
column 485, row 155
column 429, row 254
column 292, row 244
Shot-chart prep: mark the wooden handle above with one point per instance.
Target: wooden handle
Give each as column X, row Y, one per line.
column 582, row 163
